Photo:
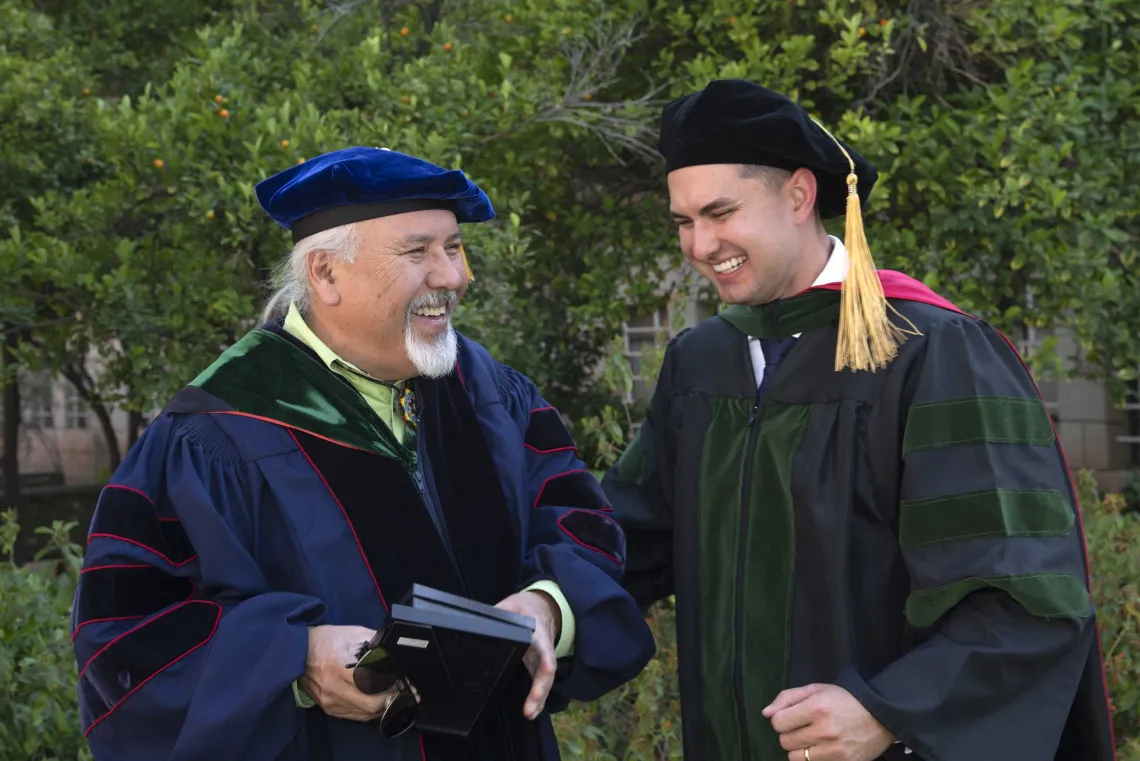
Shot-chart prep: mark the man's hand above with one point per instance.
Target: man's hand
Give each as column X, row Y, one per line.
column 827, row 721
column 539, row 658
column 328, row 673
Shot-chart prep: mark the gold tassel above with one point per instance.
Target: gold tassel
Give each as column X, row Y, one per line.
column 466, row 266
column 868, row 340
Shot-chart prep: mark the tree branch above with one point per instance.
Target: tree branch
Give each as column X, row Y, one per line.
column 593, row 67
column 339, row 11
column 37, row 326
column 946, row 51
column 430, row 13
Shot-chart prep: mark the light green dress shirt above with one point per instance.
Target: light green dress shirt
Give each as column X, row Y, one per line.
column 380, row 397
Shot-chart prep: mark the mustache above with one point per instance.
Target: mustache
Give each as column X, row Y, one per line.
column 433, row 299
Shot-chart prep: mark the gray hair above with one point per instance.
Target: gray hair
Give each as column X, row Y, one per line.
column 291, row 276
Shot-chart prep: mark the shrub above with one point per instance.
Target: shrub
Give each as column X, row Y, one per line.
column 641, row 721
column 39, row 717
column 1131, row 491
column 1114, row 548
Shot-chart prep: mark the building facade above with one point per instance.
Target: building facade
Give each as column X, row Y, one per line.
column 61, row 441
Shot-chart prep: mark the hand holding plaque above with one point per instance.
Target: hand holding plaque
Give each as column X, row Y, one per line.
column 458, row 654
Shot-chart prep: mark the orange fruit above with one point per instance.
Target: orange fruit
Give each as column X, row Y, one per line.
column 508, row 18
column 284, row 143
column 587, row 97
column 210, row 214
column 301, row 161
column 404, row 99
column 731, row 20
column 159, row 164
column 86, row 90
column 447, row 46
column 862, row 31
column 218, row 98
column 224, row 113
column 315, row 28
column 405, row 32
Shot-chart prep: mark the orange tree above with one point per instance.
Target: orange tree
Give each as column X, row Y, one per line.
column 1004, row 135
column 158, row 256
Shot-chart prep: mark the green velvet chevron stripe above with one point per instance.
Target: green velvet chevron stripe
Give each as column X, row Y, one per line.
column 992, row 512
column 976, row 420
column 1047, row 595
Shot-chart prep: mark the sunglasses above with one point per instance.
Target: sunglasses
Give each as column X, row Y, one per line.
column 375, row 672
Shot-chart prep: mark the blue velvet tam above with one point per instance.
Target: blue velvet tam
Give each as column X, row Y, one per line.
column 355, row 184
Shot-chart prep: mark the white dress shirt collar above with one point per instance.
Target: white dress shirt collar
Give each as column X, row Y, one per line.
column 833, row 272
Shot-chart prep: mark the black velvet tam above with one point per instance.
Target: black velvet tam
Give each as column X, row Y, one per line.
column 734, row 121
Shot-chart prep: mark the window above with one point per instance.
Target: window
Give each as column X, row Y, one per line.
column 39, row 410
column 645, row 339
column 75, row 409
column 1132, row 407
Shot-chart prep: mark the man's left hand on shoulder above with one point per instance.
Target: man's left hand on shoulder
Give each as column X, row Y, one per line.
column 539, row 658
column 829, row 723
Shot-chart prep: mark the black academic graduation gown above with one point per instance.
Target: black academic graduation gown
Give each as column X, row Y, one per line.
column 911, row 535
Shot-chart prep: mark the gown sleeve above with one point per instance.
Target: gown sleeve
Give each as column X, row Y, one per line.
column 183, row 650
column 574, row 542
column 991, row 536
column 639, row 486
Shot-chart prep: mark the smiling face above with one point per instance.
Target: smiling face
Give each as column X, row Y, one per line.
column 747, row 230
column 389, row 310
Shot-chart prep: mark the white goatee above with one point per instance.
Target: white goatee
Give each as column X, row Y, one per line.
column 432, row 357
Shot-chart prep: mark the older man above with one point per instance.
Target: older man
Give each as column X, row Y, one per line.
column 257, row 535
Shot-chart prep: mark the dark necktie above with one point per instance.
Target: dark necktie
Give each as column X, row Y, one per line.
column 774, row 350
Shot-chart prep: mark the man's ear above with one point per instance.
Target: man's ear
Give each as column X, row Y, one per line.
column 803, row 187
column 323, row 273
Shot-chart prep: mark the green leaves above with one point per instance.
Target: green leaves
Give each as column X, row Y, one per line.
column 1004, row 135
column 37, row 663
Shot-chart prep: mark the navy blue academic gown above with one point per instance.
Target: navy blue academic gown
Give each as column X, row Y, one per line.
column 267, row 498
